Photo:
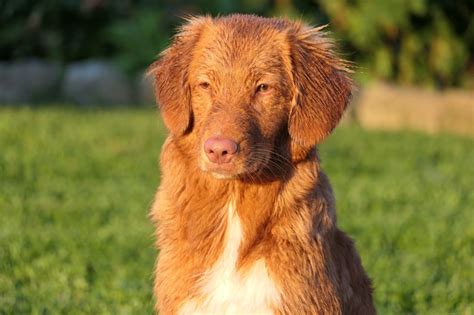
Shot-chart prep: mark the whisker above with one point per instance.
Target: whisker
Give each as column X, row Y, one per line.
column 268, row 162
column 273, row 152
column 277, row 156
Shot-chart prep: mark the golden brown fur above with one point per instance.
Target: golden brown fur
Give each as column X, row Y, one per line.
column 206, row 85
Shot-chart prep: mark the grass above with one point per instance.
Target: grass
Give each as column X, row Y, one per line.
column 76, row 185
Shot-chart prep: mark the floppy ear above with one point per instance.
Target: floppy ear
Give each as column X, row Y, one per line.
column 171, row 78
column 323, row 88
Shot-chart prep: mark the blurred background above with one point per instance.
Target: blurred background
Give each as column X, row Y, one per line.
column 80, row 138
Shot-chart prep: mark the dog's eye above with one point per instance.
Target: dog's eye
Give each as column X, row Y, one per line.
column 204, row 85
column 261, row 88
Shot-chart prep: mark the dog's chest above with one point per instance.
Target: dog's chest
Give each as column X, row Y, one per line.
column 224, row 290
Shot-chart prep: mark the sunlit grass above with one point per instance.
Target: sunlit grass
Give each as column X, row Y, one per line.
column 76, row 185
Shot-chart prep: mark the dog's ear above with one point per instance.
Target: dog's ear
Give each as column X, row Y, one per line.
column 171, row 78
column 323, row 87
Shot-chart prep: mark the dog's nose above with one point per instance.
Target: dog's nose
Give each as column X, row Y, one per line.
column 220, row 150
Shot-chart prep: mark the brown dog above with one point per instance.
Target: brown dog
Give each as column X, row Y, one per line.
column 246, row 220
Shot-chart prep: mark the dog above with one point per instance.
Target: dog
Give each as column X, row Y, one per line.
column 245, row 218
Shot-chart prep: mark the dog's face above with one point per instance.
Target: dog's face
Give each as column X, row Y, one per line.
column 239, row 92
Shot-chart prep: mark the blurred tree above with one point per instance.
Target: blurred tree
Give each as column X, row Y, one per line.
column 63, row 30
column 427, row 42
column 138, row 39
column 409, row 41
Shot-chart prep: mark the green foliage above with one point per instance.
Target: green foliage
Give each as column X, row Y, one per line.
column 407, row 41
column 63, row 30
column 76, row 187
column 138, row 39
column 412, row 42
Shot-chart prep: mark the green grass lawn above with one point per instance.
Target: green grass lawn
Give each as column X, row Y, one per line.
column 76, row 186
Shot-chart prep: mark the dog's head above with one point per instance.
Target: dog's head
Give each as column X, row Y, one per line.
column 240, row 91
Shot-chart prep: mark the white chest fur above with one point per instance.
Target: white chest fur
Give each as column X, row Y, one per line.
column 225, row 291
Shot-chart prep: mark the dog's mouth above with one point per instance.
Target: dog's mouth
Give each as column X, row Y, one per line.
column 227, row 171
